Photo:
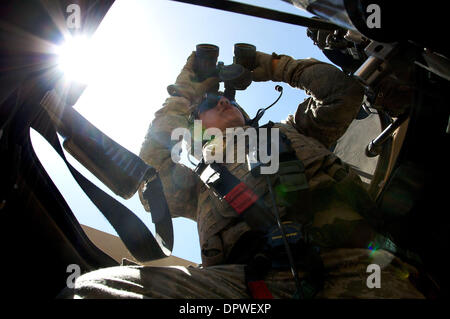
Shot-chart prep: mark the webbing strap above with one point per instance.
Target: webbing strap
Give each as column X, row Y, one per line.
column 240, row 197
column 137, row 238
column 159, row 209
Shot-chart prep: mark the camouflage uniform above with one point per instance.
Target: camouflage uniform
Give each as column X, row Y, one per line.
column 331, row 210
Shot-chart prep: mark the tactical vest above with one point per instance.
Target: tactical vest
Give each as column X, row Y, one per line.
column 321, row 204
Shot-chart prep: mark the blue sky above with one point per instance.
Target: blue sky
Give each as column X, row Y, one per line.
column 139, row 49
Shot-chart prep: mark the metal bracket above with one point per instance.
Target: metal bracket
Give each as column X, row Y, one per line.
column 374, row 68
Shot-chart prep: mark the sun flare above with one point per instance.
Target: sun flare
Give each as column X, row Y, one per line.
column 76, row 58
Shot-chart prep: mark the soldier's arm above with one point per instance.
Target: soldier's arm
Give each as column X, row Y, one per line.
column 179, row 183
column 334, row 101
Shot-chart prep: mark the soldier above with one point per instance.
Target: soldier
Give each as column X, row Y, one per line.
column 333, row 209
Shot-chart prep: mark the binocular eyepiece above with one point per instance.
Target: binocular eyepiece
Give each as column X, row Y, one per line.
column 205, row 61
column 236, row 76
column 245, row 55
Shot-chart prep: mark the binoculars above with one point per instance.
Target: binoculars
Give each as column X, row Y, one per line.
column 236, row 76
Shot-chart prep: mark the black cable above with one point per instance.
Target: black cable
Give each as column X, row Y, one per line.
column 260, row 112
column 279, row 88
column 285, row 242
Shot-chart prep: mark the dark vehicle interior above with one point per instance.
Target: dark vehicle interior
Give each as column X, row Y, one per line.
column 40, row 235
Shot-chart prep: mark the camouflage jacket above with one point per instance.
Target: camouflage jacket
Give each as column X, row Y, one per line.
column 333, row 221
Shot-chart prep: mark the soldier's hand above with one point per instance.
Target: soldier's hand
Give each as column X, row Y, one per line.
column 186, row 86
column 265, row 65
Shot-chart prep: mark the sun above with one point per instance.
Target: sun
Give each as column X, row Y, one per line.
column 76, row 58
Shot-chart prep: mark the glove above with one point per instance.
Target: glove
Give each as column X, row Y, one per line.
column 280, row 68
column 186, row 86
column 264, row 66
